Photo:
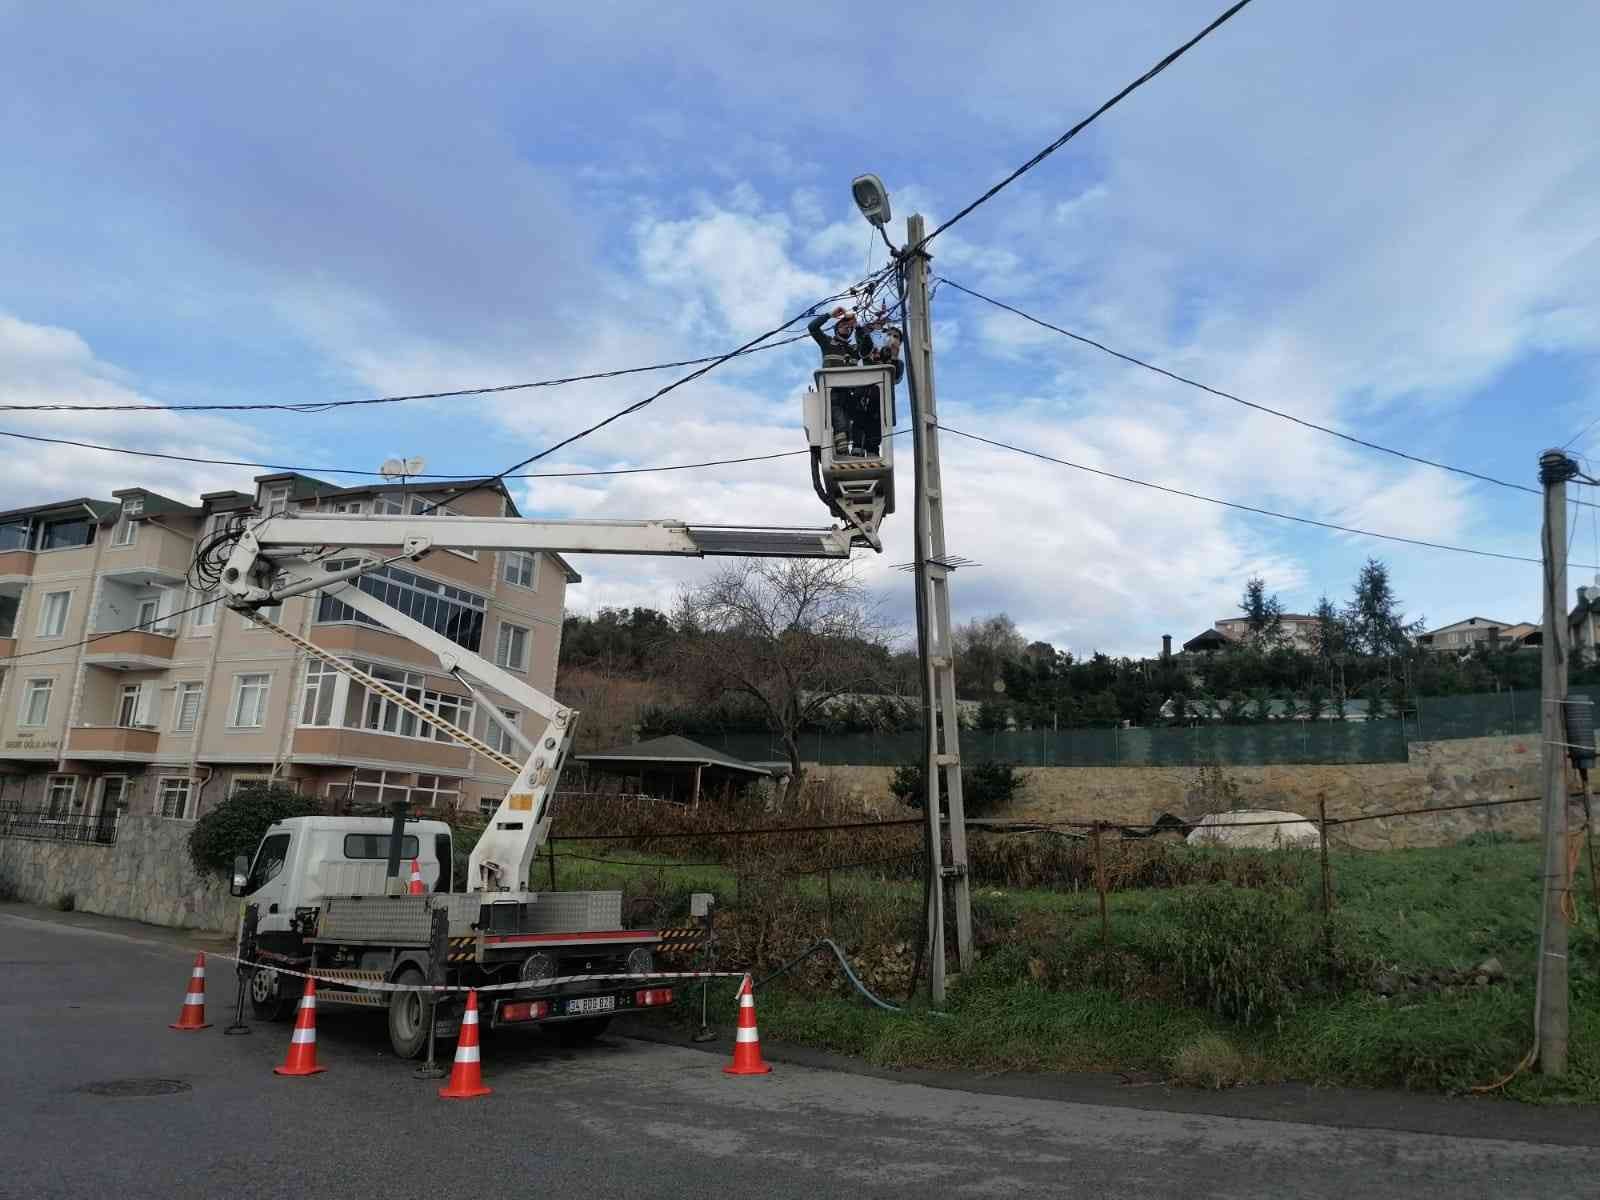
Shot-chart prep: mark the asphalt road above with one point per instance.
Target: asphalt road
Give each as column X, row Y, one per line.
column 622, row 1118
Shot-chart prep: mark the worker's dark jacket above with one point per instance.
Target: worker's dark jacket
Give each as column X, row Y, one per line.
column 839, row 351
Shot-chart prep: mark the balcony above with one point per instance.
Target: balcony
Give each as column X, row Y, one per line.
column 16, row 564
column 356, row 747
column 117, row 743
column 134, row 650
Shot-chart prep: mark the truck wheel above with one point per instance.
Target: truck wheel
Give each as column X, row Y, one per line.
column 579, row 1033
column 409, row 1015
column 267, row 1001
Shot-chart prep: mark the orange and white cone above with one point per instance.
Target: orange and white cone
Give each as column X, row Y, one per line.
column 193, row 1014
column 747, row 1040
column 302, row 1059
column 466, row 1075
column 418, row 888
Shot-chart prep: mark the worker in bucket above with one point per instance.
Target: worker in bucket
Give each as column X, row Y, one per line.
column 847, row 345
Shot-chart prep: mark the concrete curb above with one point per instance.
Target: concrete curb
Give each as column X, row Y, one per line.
column 1342, row 1108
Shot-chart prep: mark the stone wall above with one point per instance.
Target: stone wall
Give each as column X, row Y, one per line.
column 1437, row 773
column 145, row 876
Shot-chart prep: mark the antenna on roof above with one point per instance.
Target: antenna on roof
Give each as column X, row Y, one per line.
column 399, row 468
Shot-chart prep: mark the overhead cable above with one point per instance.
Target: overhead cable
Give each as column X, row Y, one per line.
column 319, row 406
column 1066, row 137
column 160, row 620
column 872, row 283
column 1249, row 508
column 1205, row 387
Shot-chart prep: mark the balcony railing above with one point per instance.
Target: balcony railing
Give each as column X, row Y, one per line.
column 95, row 829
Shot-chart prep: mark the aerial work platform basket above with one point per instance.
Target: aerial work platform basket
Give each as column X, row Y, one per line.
column 849, row 420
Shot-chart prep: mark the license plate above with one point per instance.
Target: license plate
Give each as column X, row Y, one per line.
column 591, row 1004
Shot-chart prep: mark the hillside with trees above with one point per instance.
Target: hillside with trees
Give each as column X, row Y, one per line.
column 778, row 650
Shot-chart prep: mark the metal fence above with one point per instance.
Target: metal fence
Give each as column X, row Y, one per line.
column 99, row 829
column 1271, row 742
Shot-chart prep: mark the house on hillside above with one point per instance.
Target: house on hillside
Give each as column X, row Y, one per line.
column 1462, row 636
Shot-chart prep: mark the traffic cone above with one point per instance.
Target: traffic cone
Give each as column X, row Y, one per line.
column 302, row 1058
column 747, row 1041
column 418, row 888
column 193, row 1014
column 466, row 1075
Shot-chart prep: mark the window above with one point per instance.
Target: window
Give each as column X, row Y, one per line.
column 240, row 782
column 36, row 701
column 68, row 534
column 189, row 696
column 275, row 500
column 149, row 613
column 172, row 797
column 496, row 738
column 522, row 569
column 16, row 535
column 10, row 609
column 316, row 701
column 206, row 615
column 127, row 530
column 487, row 805
column 511, row 647
column 60, row 797
column 373, row 787
column 249, row 701
column 270, row 858
column 369, row 710
column 421, row 507
column 53, row 614
column 443, row 608
column 391, row 505
column 376, row 845
column 433, row 791
column 346, row 506
column 135, row 706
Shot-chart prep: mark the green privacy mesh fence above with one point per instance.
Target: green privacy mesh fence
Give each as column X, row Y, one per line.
column 1350, row 741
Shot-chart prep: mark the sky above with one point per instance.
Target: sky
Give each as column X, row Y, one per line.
column 1375, row 217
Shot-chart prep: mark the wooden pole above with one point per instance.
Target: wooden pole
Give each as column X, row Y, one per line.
column 1100, row 886
column 1555, row 468
column 695, row 803
column 1327, row 879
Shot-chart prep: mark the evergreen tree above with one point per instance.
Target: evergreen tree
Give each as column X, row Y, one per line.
column 1263, row 615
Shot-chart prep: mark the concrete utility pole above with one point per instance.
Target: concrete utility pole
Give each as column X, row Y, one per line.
column 942, row 765
column 1555, row 468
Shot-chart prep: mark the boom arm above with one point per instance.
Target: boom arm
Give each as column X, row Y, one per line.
column 276, row 559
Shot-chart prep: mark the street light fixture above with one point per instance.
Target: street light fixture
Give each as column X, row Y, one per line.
column 872, row 198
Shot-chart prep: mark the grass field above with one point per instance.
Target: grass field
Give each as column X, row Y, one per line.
column 1046, row 996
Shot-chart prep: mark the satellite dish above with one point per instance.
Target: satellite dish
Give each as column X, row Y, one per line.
column 400, row 467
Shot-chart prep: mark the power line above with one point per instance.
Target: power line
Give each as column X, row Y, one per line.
column 1066, row 137
column 1249, row 508
column 319, row 406
column 1205, row 387
column 870, row 284
column 305, row 470
column 111, row 633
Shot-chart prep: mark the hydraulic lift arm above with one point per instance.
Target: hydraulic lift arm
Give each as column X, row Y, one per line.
column 278, row 557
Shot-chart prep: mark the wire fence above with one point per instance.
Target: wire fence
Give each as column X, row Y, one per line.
column 1357, row 738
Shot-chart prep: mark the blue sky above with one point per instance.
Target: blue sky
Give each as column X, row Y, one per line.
column 1379, row 218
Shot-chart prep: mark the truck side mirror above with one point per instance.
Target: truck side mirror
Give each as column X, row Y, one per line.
column 241, row 874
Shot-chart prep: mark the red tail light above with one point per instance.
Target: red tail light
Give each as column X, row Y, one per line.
column 524, row 1010
column 652, row 997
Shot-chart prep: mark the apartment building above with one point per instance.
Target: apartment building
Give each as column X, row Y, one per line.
column 1473, row 632
column 168, row 718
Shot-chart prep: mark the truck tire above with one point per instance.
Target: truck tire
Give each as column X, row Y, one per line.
column 410, row 1014
column 267, row 999
column 580, row 1032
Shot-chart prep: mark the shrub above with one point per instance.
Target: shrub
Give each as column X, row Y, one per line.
column 984, row 788
column 235, row 826
column 1210, row 1061
column 1245, row 955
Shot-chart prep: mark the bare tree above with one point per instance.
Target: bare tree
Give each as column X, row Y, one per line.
column 789, row 634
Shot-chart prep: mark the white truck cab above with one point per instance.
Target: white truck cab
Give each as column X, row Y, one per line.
column 301, row 860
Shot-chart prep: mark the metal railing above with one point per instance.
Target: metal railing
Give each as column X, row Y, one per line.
column 95, row 829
